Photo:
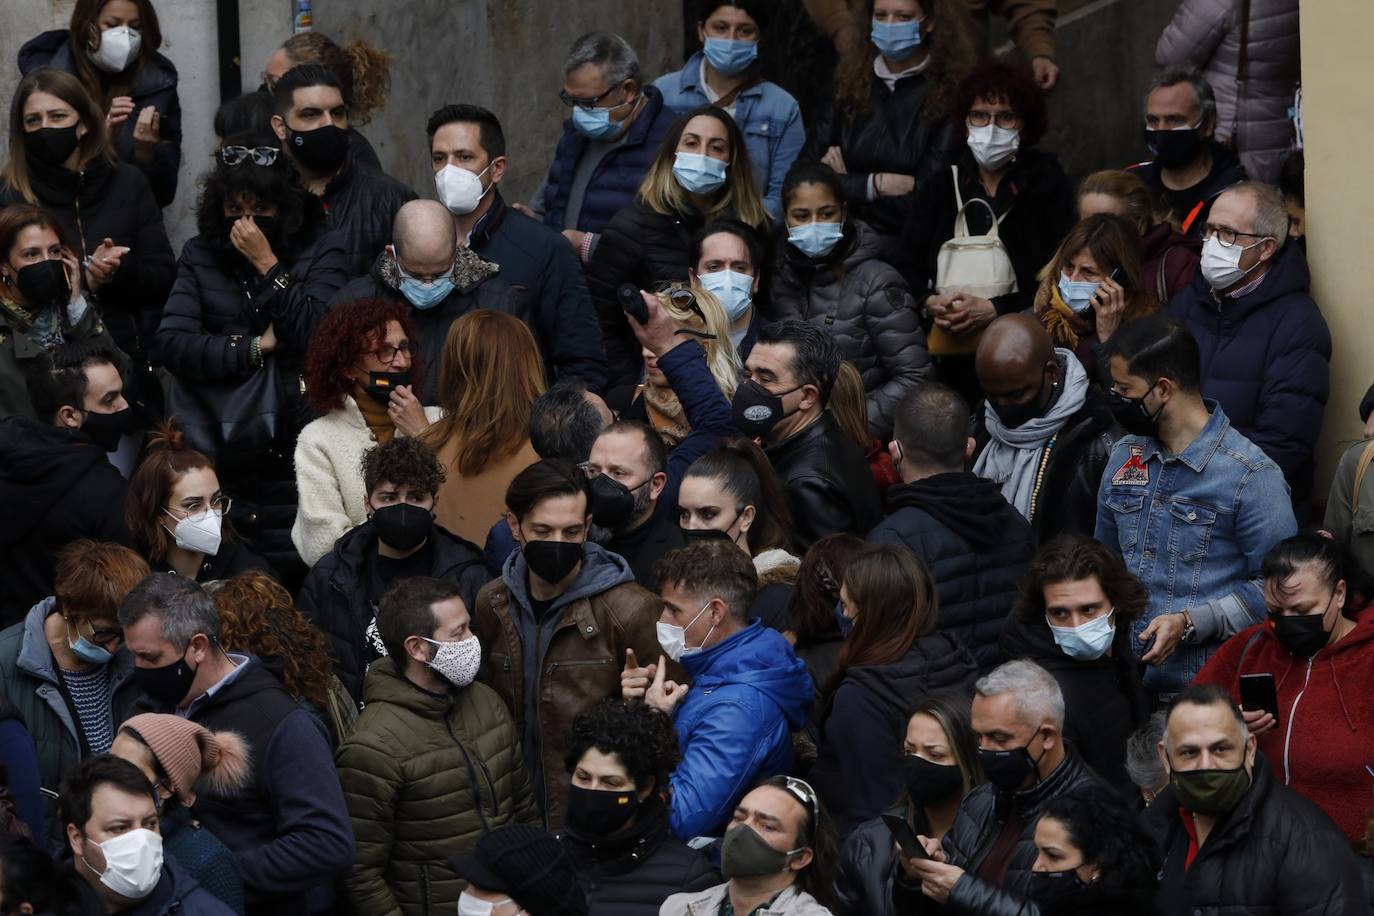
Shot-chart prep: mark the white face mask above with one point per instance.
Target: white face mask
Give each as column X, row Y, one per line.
column 469, row 905
column 118, row 48
column 458, row 189
column 993, row 146
column 457, row 661
column 199, row 533
column 1086, row 642
column 133, row 863
column 1221, row 263
column 673, row 639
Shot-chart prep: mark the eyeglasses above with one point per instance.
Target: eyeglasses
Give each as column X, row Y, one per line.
column 573, row 101
column 219, row 504
column 102, row 636
column 386, row 352
column 680, row 295
column 1007, row 120
column 261, row 155
column 1228, row 237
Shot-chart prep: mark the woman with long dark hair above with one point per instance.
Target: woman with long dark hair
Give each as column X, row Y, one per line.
column 815, row 625
column 893, row 654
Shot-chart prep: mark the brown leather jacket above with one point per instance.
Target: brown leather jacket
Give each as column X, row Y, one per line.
column 578, row 664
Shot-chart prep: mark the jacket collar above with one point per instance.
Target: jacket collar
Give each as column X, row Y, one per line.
column 490, row 222
column 1232, row 828
column 690, row 80
column 1067, row 773
column 1201, row 449
column 811, row 436
column 36, row 659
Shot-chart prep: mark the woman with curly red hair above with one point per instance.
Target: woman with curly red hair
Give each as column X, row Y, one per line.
column 358, row 376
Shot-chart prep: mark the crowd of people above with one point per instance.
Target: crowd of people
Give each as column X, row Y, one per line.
column 811, row 500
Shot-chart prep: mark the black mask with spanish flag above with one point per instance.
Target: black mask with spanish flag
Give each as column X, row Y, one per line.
column 380, row 385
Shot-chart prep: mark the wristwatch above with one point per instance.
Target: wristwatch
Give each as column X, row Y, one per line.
column 1189, row 628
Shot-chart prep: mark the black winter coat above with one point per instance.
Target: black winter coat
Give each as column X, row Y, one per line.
column 362, row 205
column 1276, row 854
column 866, row 869
column 340, row 598
column 110, row 200
column 976, row 546
column 632, row 875
column 864, row 303
column 57, row 487
column 1190, row 207
column 858, row 772
column 1037, row 206
column 1104, row 702
column 901, row 132
column 828, row 484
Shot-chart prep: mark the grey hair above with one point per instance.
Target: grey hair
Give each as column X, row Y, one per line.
column 1038, row 697
column 613, row 54
column 1202, row 90
column 1271, row 216
column 1143, row 765
column 182, row 607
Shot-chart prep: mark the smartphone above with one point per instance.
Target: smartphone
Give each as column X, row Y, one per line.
column 905, row 837
column 1258, row 691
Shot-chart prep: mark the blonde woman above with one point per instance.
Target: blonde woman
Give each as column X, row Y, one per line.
column 702, row 173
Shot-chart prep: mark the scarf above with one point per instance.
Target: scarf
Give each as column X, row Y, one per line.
column 665, row 415
column 1066, row 327
column 375, row 416
column 1012, row 456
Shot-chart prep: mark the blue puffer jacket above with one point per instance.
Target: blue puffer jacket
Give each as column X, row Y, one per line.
column 748, row 694
column 616, row 177
column 766, row 113
column 1266, row 358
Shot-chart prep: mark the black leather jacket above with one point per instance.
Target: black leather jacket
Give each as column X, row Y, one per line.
column 829, row 486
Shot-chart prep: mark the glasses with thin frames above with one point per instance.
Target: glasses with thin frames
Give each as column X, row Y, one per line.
column 1007, row 120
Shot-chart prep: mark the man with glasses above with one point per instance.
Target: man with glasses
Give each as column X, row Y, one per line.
column 1266, row 347
column 65, row 667
column 1191, row 503
column 1189, row 167
column 609, row 141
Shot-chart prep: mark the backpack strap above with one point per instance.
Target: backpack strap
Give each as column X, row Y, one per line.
column 1161, row 292
column 1365, row 457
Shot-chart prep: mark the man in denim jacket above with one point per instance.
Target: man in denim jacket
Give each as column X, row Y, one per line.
column 1192, row 504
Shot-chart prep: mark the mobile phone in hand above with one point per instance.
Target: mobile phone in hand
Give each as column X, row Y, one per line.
column 1259, row 692
column 906, row 837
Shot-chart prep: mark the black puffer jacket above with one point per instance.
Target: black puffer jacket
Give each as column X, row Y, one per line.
column 1276, row 854
column 828, row 484
column 900, row 133
column 362, row 205
column 1103, row 700
column 865, row 305
column 976, row 546
column 981, row 816
column 858, row 772
column 632, row 875
column 111, row 200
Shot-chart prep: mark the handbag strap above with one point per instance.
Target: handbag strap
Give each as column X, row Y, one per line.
column 728, row 99
column 961, row 220
column 1365, row 457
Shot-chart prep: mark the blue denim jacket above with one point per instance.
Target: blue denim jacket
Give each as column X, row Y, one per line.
column 1194, row 527
column 766, row 113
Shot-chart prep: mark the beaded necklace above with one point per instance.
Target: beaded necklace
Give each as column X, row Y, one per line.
column 1040, row 476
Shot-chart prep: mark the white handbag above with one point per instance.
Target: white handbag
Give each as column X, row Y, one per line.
column 975, row 264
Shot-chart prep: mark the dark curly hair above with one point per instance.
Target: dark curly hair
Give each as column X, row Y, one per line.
column 277, row 183
column 1013, row 84
column 403, row 462
column 1070, row 557
column 639, row 736
column 1108, row 834
column 348, row 332
column 256, row 615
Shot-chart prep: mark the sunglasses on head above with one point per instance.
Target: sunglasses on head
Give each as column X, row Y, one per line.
column 261, row 155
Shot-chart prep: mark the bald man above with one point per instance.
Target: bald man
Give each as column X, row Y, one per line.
column 424, row 268
column 1044, row 433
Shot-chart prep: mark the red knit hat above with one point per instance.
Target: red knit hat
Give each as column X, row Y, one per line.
column 189, row 753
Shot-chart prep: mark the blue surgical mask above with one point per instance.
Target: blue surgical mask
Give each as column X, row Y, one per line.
column 424, row 295
column 594, row 123
column 1087, row 642
column 86, row 650
column 846, row 624
column 1077, row 294
column 697, row 173
column 816, row 240
column 734, row 290
column 896, row 40
column 729, row 57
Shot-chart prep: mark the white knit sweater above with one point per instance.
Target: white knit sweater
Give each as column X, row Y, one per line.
column 329, row 478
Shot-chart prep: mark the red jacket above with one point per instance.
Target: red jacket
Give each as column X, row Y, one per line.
column 1325, row 735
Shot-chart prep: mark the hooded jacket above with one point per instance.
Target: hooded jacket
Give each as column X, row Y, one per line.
column 362, row 204
column 748, row 694
column 1189, row 207
column 57, row 486
column 864, row 304
column 858, row 772
column 548, row 672
column 975, row 545
column 156, row 87
column 1104, row 702
column 1326, row 714
column 1266, row 358
column 425, row 775
column 338, row 597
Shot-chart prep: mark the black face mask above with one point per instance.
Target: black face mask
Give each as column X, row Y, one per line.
column 1133, row 415
column 928, row 783
column 321, row 150
column 596, row 813
column 44, row 283
column 51, row 146
column 167, row 685
column 1008, row 770
column 1049, row 886
column 106, row 429
column 756, row 410
column 1303, row 636
column 613, row 504
column 1174, row 148
column 1014, row 416
column 552, row 560
column 402, row 526
column 694, row 535
column 380, row 385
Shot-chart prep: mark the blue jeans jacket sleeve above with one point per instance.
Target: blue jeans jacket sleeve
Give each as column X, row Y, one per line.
column 784, row 154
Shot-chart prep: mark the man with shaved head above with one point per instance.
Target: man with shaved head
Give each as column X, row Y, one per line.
column 424, row 268
column 1044, row 433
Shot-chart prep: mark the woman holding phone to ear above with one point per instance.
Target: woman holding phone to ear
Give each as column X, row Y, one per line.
column 1318, row 643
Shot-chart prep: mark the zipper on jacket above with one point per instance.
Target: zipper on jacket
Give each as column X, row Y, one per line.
column 554, row 666
column 472, row 775
column 1288, row 733
column 424, row 888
